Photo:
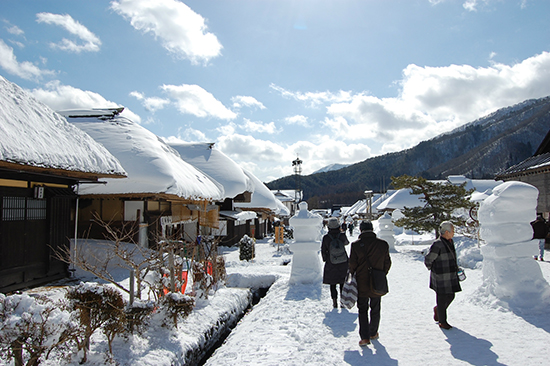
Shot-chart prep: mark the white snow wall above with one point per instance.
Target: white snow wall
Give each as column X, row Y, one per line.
column 509, row 271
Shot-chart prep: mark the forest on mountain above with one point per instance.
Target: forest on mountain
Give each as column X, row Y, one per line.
column 478, row 150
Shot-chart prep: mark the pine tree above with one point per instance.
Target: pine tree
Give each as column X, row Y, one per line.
column 443, row 201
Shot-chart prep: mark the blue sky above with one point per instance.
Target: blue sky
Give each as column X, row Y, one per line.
column 330, row 81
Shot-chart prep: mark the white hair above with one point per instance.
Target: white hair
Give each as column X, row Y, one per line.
column 445, row 226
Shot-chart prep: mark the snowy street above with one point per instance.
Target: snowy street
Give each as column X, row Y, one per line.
column 296, row 325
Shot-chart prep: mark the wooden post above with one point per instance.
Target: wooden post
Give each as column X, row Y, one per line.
column 172, row 270
column 131, row 287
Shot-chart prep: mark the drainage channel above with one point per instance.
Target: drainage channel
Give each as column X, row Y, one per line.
column 224, row 330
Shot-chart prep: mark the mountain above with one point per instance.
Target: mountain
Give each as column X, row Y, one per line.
column 478, row 149
column 330, row 167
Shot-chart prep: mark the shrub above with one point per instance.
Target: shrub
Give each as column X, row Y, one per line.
column 175, row 305
column 32, row 327
column 97, row 306
column 137, row 315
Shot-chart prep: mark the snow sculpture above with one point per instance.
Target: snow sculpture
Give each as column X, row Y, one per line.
column 385, row 226
column 306, row 264
column 509, row 271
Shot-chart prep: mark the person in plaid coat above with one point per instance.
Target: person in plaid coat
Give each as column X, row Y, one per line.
column 443, row 266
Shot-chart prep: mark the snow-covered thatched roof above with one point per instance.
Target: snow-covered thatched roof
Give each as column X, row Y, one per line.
column 400, row 199
column 262, row 198
column 35, row 138
column 153, row 167
column 217, row 165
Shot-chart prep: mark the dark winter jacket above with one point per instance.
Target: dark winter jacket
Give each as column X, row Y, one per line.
column 333, row 273
column 540, row 229
column 378, row 253
column 441, row 261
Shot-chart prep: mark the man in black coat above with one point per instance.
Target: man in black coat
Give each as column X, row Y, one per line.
column 443, row 266
column 376, row 252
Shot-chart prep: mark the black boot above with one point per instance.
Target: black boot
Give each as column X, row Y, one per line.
column 335, row 303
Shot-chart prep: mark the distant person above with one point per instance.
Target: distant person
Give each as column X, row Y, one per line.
column 335, row 257
column 377, row 251
column 442, row 263
column 344, row 225
column 350, row 227
column 540, row 230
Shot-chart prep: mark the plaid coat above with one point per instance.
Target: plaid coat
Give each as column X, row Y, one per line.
column 441, row 261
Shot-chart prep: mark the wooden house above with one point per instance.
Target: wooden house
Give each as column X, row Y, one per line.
column 238, row 188
column 265, row 205
column 535, row 171
column 163, row 196
column 42, row 159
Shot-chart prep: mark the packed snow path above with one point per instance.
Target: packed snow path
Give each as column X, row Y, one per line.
column 296, row 325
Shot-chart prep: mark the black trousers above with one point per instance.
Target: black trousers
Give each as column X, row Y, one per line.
column 443, row 301
column 368, row 328
column 333, row 292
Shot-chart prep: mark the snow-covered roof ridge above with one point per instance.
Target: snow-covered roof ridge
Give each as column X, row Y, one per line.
column 205, row 157
column 153, row 166
column 34, row 135
column 262, row 197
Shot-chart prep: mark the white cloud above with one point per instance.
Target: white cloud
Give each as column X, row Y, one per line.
column 15, row 30
column 59, row 97
column 314, row 99
column 298, row 120
column 470, row 5
column 468, row 93
column 473, row 5
column 227, row 129
column 187, row 135
column 152, row 104
column 25, row 70
column 268, row 155
column 241, row 101
column 431, row 100
column 242, row 147
column 92, row 43
column 259, row 127
column 181, row 31
column 523, row 4
column 192, row 99
column 17, row 43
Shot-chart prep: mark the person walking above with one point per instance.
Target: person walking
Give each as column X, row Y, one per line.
column 368, row 251
column 336, row 259
column 442, row 263
column 540, row 230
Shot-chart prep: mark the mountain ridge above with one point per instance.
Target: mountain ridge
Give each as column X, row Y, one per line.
column 478, row 149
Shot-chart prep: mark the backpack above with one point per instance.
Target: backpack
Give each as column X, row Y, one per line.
column 337, row 251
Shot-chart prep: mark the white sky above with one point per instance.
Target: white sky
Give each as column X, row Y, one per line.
column 331, row 81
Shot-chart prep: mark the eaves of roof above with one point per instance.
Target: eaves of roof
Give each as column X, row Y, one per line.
column 534, row 165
